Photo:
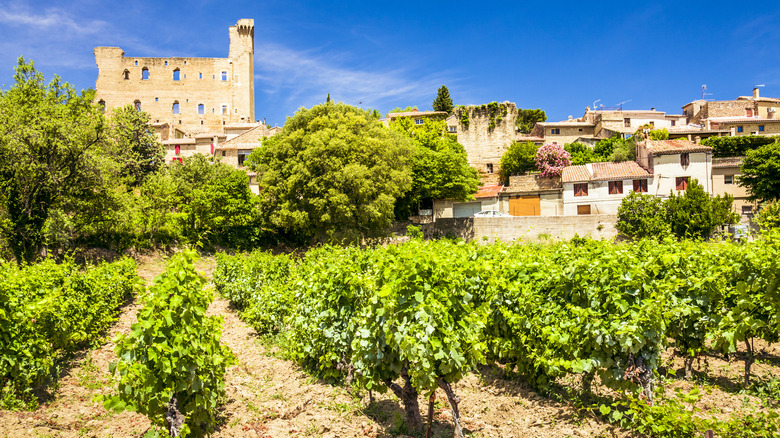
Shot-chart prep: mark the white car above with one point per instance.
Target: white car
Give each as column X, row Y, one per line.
column 490, row 213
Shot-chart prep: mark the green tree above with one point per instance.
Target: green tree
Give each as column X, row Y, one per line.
column 736, row 146
column 761, row 172
column 134, row 144
column 443, row 102
column 695, row 213
column 527, row 118
column 642, row 216
column 659, row 134
column 518, row 159
column 582, row 154
column 440, row 168
column 50, row 138
column 333, row 173
column 769, row 216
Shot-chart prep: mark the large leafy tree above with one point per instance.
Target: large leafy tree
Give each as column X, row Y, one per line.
column 518, row 159
column 50, row 138
column 527, row 118
column 642, row 216
column 333, row 173
column 134, row 144
column 443, row 102
column 761, row 172
column 440, row 168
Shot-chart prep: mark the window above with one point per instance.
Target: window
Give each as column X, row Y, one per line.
column 652, row 124
column 177, row 149
column 685, row 159
column 489, row 168
column 223, row 153
column 626, row 123
column 224, row 109
column 581, row 189
column 760, row 128
column 176, row 74
column 200, row 75
column 747, row 209
column 156, row 99
column 224, row 75
column 201, row 108
column 145, row 74
column 748, row 112
column 640, row 185
column 555, row 131
column 739, row 129
column 419, row 121
column 126, row 74
column 242, row 154
column 136, row 62
column 728, row 179
column 137, row 105
column 166, row 63
column 453, row 129
column 681, row 182
column 583, row 209
column 674, row 123
column 176, row 107
column 616, row 187
column 185, row 62
column 580, row 130
column 102, row 105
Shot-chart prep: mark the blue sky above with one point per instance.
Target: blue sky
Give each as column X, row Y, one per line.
column 557, row 56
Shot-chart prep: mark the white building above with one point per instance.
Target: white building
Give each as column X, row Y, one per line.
column 674, row 163
column 599, row 188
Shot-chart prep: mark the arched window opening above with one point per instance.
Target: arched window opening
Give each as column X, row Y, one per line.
column 137, row 105
column 201, row 108
column 176, row 74
column 176, row 107
column 145, row 74
column 102, row 105
column 126, row 74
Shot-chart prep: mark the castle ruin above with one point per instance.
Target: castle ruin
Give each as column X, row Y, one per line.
column 190, row 95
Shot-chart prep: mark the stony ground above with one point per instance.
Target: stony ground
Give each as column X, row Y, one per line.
column 268, row 396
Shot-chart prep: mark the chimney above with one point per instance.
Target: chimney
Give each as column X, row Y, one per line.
column 652, row 109
column 570, row 117
column 755, row 93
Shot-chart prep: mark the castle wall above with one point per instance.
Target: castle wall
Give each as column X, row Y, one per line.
column 210, row 92
column 485, row 146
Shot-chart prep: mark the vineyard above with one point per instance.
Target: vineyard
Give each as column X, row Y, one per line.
column 662, row 339
column 416, row 317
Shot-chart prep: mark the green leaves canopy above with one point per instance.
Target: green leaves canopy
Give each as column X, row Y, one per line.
column 761, row 172
column 333, row 173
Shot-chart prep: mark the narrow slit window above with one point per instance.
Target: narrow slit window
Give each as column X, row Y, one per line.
column 126, row 74
column 176, row 107
column 137, row 105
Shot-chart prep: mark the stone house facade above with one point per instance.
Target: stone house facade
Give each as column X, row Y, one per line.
column 486, row 132
column 745, row 115
column 196, row 95
column 599, row 188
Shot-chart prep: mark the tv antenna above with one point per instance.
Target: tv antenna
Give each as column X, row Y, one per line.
column 703, row 89
column 621, row 104
column 594, row 104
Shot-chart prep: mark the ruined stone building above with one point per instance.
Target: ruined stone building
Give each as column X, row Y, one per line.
column 184, row 96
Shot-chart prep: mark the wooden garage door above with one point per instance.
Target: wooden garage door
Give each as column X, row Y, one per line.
column 466, row 209
column 525, row 206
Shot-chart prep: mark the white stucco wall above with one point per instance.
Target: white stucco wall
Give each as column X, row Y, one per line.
column 666, row 169
column 599, row 199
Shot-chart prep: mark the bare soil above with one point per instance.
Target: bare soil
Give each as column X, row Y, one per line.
column 268, row 396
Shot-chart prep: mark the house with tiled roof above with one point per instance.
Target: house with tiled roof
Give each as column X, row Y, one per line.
column 674, row 163
column 745, row 115
column 599, row 188
column 725, row 180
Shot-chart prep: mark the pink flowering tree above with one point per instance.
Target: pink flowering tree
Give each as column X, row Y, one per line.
column 551, row 159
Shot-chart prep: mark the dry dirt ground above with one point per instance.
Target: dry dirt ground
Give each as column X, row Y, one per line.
column 271, row 397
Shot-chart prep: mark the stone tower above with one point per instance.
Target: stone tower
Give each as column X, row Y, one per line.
column 192, row 95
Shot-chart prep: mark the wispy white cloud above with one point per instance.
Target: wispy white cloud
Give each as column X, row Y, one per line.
column 51, row 19
column 304, row 78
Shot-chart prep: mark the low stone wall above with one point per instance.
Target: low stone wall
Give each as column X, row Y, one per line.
column 506, row 229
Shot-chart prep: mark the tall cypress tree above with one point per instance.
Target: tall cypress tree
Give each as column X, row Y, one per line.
column 443, row 101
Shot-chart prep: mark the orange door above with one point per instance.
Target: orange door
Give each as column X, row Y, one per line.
column 525, row 206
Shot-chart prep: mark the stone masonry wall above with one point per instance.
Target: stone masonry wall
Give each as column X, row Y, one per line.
column 200, row 82
column 508, row 229
column 485, row 146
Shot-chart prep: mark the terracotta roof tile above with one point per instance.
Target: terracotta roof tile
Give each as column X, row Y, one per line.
column 615, row 171
column 576, row 173
column 248, row 140
column 742, row 119
column 489, row 191
column 668, row 147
